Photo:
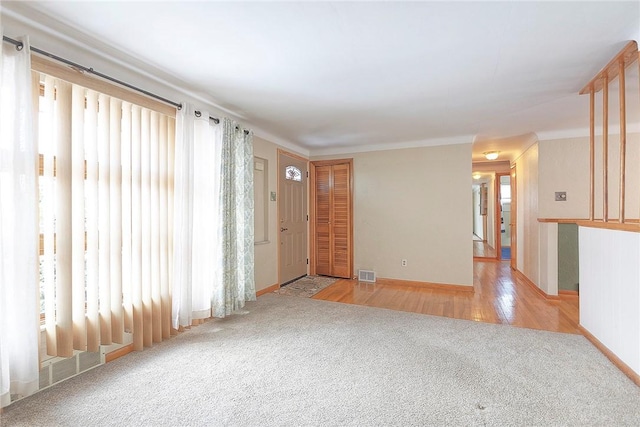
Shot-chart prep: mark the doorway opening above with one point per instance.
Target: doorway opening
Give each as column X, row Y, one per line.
column 494, row 212
column 568, row 259
column 483, row 214
column 504, row 211
column 332, row 218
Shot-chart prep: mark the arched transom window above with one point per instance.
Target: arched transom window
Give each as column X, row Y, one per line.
column 293, row 173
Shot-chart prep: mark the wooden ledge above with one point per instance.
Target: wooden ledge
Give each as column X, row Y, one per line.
column 110, row 357
column 562, row 220
column 627, row 55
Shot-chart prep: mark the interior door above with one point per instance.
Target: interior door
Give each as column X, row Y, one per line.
column 341, row 221
column 514, row 220
column 333, row 219
column 323, row 236
column 292, row 211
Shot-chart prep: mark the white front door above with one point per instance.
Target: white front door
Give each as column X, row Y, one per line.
column 292, row 209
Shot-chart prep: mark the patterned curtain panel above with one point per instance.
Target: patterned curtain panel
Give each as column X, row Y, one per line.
column 238, row 283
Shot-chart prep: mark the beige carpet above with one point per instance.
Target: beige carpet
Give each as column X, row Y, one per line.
column 304, row 362
column 307, row 286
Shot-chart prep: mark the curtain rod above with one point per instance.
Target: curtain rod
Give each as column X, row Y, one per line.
column 19, row 46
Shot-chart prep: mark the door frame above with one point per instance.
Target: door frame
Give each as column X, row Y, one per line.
column 514, row 218
column 312, row 210
column 498, row 216
column 279, row 193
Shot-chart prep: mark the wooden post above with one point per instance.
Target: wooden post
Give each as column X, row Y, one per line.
column 623, row 136
column 592, row 154
column 605, row 148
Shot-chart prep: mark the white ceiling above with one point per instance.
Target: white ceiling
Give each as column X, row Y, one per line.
column 351, row 76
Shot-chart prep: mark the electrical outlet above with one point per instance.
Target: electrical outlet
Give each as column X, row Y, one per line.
column 404, row 262
column 561, row 196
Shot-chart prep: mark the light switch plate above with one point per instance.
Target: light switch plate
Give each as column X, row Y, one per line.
column 273, row 196
column 561, row 196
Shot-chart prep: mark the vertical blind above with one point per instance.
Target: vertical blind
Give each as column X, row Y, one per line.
column 106, row 198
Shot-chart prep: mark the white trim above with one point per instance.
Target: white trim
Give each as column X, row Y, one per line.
column 465, row 139
column 584, row 132
column 290, row 146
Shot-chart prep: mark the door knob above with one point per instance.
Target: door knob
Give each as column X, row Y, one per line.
column 283, row 229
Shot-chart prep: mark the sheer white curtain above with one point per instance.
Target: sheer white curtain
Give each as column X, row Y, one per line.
column 19, row 320
column 213, row 218
column 196, row 217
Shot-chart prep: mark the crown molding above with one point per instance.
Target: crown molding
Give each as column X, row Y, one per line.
column 584, row 132
column 290, row 146
column 563, row 134
column 329, row 151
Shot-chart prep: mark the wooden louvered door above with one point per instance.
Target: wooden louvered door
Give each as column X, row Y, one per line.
column 332, row 218
column 324, row 178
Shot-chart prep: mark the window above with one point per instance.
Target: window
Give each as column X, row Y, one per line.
column 261, row 200
column 105, row 206
column 293, row 173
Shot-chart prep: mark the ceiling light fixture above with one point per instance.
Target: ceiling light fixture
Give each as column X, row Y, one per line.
column 491, row 155
column 476, row 176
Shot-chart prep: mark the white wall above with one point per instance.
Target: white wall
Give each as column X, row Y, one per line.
column 475, row 205
column 528, row 229
column 610, row 290
column 548, row 276
column 413, row 204
column 491, row 212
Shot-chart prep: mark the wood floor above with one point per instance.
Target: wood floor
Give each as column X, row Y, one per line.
column 482, row 249
column 499, row 297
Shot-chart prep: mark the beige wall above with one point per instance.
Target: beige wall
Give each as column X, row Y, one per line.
column 413, row 204
column 632, row 177
column 528, row 256
column 491, row 212
column 266, row 253
column 475, row 206
column 564, row 166
column 632, row 171
column 548, row 258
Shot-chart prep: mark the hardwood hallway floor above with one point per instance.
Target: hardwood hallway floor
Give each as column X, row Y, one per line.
column 482, row 249
column 499, row 297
